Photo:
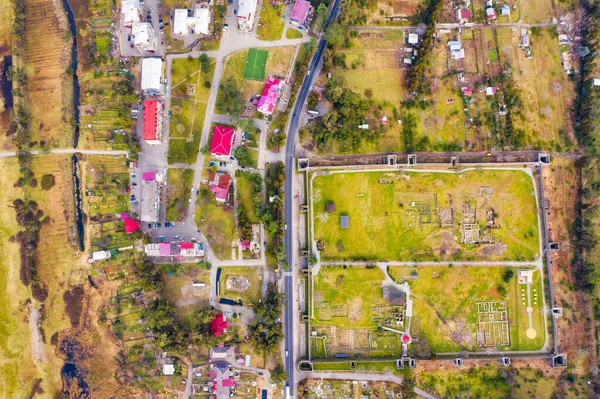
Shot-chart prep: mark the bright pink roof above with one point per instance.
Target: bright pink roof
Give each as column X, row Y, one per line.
column 212, row 374
column 222, row 141
column 220, row 193
column 218, row 324
column 300, row 11
column 149, row 176
column 131, row 226
column 467, row 91
column 267, row 101
column 124, row 216
column 164, row 248
column 246, row 244
column 150, row 119
column 186, row 245
column 405, row 338
column 465, row 14
column 228, row 382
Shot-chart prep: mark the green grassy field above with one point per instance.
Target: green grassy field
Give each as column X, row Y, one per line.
column 293, row 34
column 476, row 382
column 256, row 62
column 336, row 287
column 270, row 24
column 385, row 224
column 454, row 294
column 179, row 182
column 216, row 222
column 252, row 294
column 246, row 193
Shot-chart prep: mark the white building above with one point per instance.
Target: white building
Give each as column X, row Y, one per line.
column 150, row 201
column 152, row 69
column 168, row 369
column 100, row 255
column 197, row 24
column 246, row 13
column 131, row 11
column 413, row 38
column 143, row 36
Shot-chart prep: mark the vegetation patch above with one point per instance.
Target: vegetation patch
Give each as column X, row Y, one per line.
column 216, row 222
column 179, row 184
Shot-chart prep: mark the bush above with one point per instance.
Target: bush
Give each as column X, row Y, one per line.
column 48, row 182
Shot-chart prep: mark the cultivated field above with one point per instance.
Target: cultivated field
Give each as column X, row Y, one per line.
column 427, row 216
column 47, row 57
column 179, row 183
column 5, row 29
column 446, row 307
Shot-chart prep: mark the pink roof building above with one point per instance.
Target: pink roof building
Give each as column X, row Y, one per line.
column 219, row 185
column 164, row 248
column 131, row 226
column 269, row 97
column 149, row 176
column 218, row 325
column 300, row 12
column 222, row 141
column 124, row 216
column 228, row 382
column 246, row 244
column 464, row 15
column 467, row 92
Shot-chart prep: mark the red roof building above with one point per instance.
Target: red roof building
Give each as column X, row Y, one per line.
column 218, row 325
column 222, row 141
column 152, row 121
column 464, row 15
column 186, row 245
column 219, row 185
column 467, row 92
column 131, row 226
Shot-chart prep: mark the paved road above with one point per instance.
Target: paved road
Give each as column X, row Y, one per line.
column 288, row 284
column 357, row 376
column 9, row 154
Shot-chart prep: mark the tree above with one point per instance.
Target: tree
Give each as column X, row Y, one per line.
column 48, row 182
column 242, row 154
column 232, row 102
column 278, row 374
column 204, row 63
column 149, row 275
column 335, row 35
column 407, row 389
column 320, row 17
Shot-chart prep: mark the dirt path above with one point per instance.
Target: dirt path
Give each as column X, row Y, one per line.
column 37, row 346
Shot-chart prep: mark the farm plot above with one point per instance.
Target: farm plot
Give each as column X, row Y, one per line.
column 241, row 283
column 46, row 58
column 408, row 215
column 106, row 184
column 344, row 316
column 545, row 90
column 372, row 64
column 179, row 183
column 476, row 308
column 399, row 11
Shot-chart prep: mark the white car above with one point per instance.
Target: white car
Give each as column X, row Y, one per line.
column 285, row 226
column 286, row 353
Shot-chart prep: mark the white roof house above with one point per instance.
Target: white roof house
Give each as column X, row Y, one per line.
column 168, row 369
column 454, row 45
column 596, row 82
column 132, row 12
column 152, row 74
column 100, row 255
column 197, row 24
column 413, row 38
column 457, row 54
column 143, row 36
column 246, row 12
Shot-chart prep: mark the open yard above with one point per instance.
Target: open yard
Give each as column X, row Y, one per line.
column 446, row 300
column 179, row 289
column 271, row 23
column 216, row 222
column 241, row 283
column 483, row 214
column 249, row 192
column 189, row 109
column 179, row 183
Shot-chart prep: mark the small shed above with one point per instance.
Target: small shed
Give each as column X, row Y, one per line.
column 345, row 222
column 490, row 91
column 413, row 38
column 596, row 82
column 330, row 207
column 491, row 13
column 168, row 369
column 505, row 10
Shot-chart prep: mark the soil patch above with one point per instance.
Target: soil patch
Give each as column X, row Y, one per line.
column 355, row 311
column 73, row 302
column 36, row 389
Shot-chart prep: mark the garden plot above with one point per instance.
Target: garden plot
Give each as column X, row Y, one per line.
column 473, row 215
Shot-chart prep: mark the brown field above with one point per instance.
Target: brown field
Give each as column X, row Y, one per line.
column 537, row 11
column 5, row 27
column 545, row 89
column 399, row 10
column 47, row 57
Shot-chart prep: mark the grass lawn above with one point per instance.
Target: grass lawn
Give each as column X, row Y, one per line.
column 376, row 209
column 179, row 182
column 339, row 303
column 271, row 21
column 178, row 288
column 454, row 295
column 292, row 33
column 216, row 222
column 246, row 193
column 250, row 295
column 476, row 382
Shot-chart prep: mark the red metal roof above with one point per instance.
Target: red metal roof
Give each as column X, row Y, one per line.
column 131, row 226
column 150, row 107
column 218, row 324
column 186, row 245
column 222, row 141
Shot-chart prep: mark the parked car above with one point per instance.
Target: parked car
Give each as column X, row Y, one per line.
column 234, row 12
column 149, row 225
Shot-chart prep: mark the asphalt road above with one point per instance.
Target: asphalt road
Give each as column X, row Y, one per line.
column 288, row 284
